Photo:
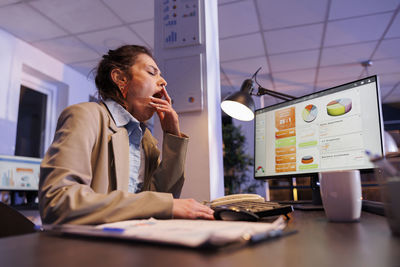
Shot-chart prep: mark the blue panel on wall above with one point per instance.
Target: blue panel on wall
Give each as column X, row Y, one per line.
column 7, row 137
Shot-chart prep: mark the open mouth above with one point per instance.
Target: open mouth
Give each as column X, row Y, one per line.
column 158, row 95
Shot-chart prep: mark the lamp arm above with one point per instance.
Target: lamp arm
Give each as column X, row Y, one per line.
column 263, row 91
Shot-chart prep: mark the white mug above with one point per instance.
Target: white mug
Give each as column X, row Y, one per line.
column 341, row 195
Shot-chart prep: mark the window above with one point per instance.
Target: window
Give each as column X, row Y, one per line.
column 36, row 115
column 31, row 126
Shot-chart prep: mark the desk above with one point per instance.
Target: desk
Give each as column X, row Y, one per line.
column 317, row 243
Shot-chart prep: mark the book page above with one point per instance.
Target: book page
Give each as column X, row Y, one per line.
column 194, row 233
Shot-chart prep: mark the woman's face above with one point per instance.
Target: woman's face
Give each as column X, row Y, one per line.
column 145, row 82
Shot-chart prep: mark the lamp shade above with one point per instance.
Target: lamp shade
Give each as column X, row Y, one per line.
column 240, row 105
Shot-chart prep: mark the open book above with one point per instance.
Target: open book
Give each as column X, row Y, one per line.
column 190, row 233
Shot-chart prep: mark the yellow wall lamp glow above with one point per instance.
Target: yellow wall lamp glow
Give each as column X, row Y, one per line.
column 240, row 105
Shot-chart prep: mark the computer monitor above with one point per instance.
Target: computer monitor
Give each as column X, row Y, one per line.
column 19, row 174
column 329, row 130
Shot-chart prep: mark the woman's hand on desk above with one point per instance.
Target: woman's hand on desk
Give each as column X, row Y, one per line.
column 191, row 209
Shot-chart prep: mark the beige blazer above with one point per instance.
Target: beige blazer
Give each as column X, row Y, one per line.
column 84, row 175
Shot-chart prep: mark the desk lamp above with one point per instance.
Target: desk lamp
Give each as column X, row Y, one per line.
column 240, row 105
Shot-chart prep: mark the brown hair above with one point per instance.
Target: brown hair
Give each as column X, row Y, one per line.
column 121, row 58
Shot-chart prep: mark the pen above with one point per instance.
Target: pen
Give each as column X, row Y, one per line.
column 256, row 238
column 82, row 229
column 113, row 230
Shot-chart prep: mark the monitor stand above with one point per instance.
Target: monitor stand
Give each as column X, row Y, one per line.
column 315, row 203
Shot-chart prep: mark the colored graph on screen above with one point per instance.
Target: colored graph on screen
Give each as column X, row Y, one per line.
column 309, row 113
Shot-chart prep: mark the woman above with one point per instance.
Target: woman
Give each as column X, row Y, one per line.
column 103, row 164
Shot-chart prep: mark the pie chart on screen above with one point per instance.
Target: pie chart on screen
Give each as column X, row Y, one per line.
column 339, row 106
column 307, row 159
column 309, row 113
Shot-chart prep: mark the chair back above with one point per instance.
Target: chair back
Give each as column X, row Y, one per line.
column 13, row 223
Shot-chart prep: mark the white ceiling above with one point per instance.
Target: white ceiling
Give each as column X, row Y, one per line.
column 301, row 45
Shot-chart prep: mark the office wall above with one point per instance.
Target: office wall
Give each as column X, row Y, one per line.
column 19, row 60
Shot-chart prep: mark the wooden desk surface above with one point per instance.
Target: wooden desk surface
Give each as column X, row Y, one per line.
column 317, row 243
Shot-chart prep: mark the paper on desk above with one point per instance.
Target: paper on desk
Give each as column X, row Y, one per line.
column 194, row 233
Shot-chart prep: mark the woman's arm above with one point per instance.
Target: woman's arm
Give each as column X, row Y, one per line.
column 77, row 183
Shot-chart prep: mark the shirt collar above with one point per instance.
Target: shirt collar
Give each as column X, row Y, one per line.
column 120, row 115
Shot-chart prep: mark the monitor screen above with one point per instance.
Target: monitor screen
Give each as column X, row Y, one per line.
column 325, row 131
column 19, row 173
